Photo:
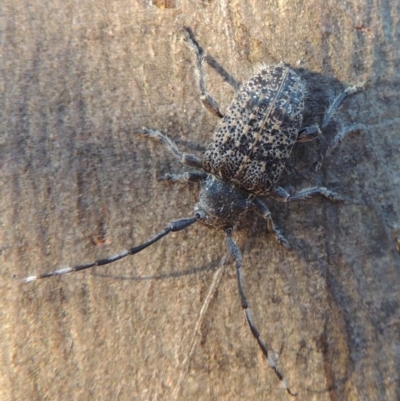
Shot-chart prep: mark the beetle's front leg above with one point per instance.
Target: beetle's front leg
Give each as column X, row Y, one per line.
column 187, row 176
column 262, row 209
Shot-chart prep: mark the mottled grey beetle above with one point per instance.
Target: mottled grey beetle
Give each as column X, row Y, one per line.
column 244, row 160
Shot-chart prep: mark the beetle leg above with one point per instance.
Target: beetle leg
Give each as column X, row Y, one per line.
column 312, row 132
column 234, row 250
column 282, row 195
column 228, row 78
column 197, row 49
column 187, row 159
column 262, row 209
column 309, row 133
column 187, row 176
column 338, row 138
column 208, row 101
column 351, row 90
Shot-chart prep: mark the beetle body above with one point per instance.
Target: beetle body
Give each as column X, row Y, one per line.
column 255, row 137
column 245, row 158
column 223, row 202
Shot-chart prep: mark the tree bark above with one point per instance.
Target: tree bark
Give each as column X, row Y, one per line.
column 78, row 184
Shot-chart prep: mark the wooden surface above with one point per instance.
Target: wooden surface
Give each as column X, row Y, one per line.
column 76, row 184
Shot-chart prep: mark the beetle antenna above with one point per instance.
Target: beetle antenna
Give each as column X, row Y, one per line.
column 176, row 225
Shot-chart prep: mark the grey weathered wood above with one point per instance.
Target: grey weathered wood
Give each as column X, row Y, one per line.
column 76, row 184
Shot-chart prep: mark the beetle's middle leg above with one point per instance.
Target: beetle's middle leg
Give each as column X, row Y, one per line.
column 187, row 159
column 337, row 139
column 310, row 133
column 187, row 176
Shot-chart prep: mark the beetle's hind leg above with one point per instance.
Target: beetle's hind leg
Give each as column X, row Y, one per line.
column 208, row 101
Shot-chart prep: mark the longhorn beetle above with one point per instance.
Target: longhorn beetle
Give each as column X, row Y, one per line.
column 244, row 160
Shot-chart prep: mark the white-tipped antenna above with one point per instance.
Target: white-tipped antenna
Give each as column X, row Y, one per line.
column 176, row 225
